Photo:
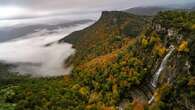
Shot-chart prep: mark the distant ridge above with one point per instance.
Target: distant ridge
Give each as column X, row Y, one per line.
column 193, row 8
column 148, row 11
column 153, row 10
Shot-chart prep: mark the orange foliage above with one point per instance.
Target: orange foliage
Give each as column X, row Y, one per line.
column 138, row 105
column 111, row 78
column 101, row 61
column 88, row 107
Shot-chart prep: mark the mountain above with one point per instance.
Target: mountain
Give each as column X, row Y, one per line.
column 152, row 70
column 193, row 8
column 153, row 10
column 14, row 32
column 147, row 10
column 184, row 6
column 106, row 34
column 123, row 61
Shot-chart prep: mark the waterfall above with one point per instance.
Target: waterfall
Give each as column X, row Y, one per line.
column 162, row 66
column 158, row 72
column 120, row 108
column 151, row 100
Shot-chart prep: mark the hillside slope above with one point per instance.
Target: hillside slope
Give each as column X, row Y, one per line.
column 105, row 35
column 124, row 76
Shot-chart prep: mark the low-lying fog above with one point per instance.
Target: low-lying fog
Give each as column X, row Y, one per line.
column 25, row 48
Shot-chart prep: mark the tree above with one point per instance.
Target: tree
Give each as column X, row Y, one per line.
column 183, row 47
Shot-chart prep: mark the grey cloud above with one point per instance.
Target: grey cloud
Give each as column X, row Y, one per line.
column 67, row 4
column 52, row 7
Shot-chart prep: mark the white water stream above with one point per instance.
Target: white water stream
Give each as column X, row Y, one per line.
column 155, row 79
column 162, row 66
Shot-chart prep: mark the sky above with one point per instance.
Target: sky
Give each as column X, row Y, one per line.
column 33, row 8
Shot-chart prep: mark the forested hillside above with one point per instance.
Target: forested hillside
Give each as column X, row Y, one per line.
column 116, row 62
column 109, row 33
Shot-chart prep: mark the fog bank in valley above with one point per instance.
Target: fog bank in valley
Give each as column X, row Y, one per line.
column 31, row 56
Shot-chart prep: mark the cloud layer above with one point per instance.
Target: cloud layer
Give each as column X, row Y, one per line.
column 31, row 56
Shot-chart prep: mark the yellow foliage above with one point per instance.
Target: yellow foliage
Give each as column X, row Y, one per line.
column 154, row 37
column 94, row 97
column 144, row 42
column 183, row 47
column 115, row 90
column 191, row 82
column 162, row 51
column 159, row 49
column 157, row 96
column 76, row 87
column 108, row 108
column 193, row 27
column 99, row 106
column 84, row 91
column 159, row 93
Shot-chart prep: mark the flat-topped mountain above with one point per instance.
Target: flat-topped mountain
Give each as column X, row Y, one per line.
column 106, row 34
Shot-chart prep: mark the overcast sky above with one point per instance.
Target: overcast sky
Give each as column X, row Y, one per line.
column 64, row 4
column 14, row 8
